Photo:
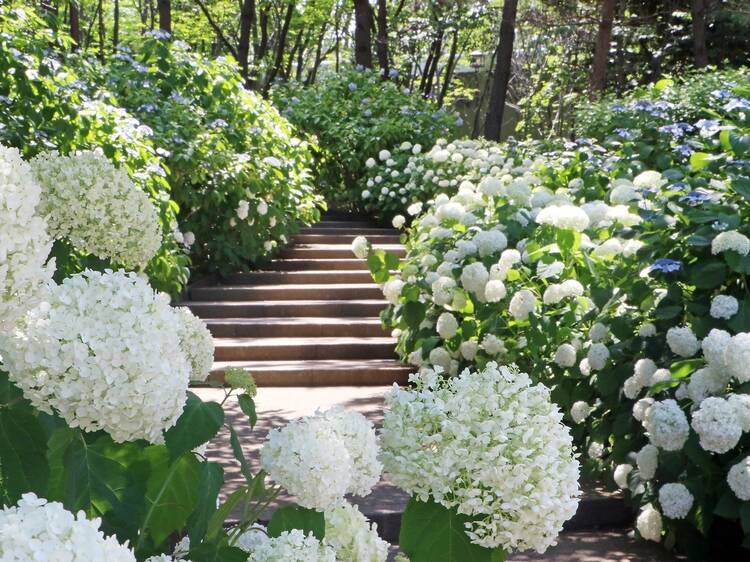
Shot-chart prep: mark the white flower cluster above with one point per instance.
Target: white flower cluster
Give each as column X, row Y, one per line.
column 353, row 537
column 649, row 523
column 675, row 500
column 341, row 444
column 196, row 343
column 103, row 352
column 360, row 247
column 490, row 445
column 24, row 242
column 290, row 546
column 97, row 207
column 39, row 530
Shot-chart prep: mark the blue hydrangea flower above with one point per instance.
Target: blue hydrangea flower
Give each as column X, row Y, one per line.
column 665, row 265
column 678, row 186
column 719, row 225
column 737, row 103
column 626, row 134
column 677, row 130
column 352, row 86
column 695, row 198
column 683, row 150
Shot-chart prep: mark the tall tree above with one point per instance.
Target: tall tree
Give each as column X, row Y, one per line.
column 381, row 43
column 116, row 26
column 362, row 39
column 165, row 15
column 247, row 22
column 75, row 23
column 700, row 53
column 598, row 75
column 280, row 47
column 100, row 19
column 494, row 123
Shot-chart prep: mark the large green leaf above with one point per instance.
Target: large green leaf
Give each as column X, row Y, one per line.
column 433, row 533
column 171, row 492
column 217, row 553
column 294, row 517
column 200, row 422
column 23, row 453
column 209, row 485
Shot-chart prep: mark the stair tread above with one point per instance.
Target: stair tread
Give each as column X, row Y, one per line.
column 290, row 320
column 285, row 302
column 292, row 286
column 311, row 364
column 302, row 341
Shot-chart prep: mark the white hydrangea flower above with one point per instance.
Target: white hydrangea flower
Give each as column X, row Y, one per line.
column 622, row 471
column 415, row 208
column 370, row 162
column 289, row 546
column 522, row 304
column 647, row 330
column 36, row 529
column 495, row 291
column 493, row 345
column 682, row 341
column 741, row 405
column 660, row 375
column 442, row 290
column 675, row 500
column 392, row 290
column 24, row 242
column 489, row 242
column 467, row 467
column 730, row 240
column 598, row 332
column 564, row 216
column 598, row 355
column 468, row 349
column 450, row 211
column 649, row 178
column 353, row 537
column 667, row 425
column 196, row 343
column 565, row 355
column 649, row 523
column 640, row 408
column 360, row 247
column 398, row 221
column 447, row 325
column 441, row 357
column 714, row 347
column 737, row 356
column 705, row 382
column 644, row 370
column 647, row 460
column 474, row 278
column 96, row 206
column 580, row 410
column 554, row 293
column 608, row 249
column 384, row 155
column 724, row 306
column 103, row 351
column 596, row 450
column 738, row 479
column 717, row 425
column 243, row 209
column 341, row 444
column 623, row 193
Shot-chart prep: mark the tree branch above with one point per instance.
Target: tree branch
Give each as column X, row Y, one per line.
column 217, row 29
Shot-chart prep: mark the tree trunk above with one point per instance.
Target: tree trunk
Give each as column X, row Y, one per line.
column 116, row 26
column 494, row 123
column 247, row 22
column 165, row 15
column 598, row 76
column 75, row 24
column 431, row 66
column 262, row 49
column 381, row 43
column 281, row 45
column 100, row 11
column 301, row 57
column 296, row 46
column 699, row 33
column 449, row 68
column 318, row 55
column 362, row 39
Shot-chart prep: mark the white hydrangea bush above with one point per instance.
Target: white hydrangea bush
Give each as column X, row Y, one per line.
column 196, row 342
column 97, row 207
column 290, row 546
column 103, row 351
column 36, row 529
column 488, row 444
column 353, row 537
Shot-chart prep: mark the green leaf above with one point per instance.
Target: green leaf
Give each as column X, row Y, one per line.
column 681, row 369
column 295, row 517
column 247, row 405
column 741, row 185
column 709, row 274
column 728, row 506
column 391, row 261
column 58, row 443
column 433, row 533
column 216, row 522
column 745, row 517
column 23, row 453
column 699, row 160
column 171, row 492
column 413, row 313
column 239, row 454
column 740, row 322
column 209, row 485
column 217, row 553
column 200, row 422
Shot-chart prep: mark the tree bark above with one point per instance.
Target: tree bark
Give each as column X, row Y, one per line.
column 381, row 42
column 217, row 30
column 449, row 68
column 262, row 49
column 493, row 124
column 247, row 22
column 100, row 11
column 296, row 46
column 362, row 38
column 281, row 45
column 700, row 53
column 318, row 55
column 436, row 50
column 165, row 15
column 116, row 26
column 598, row 75
column 75, row 24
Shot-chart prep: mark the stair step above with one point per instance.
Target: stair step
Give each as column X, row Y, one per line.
column 375, row 239
column 228, row 309
column 303, row 327
column 341, row 276
column 330, row 372
column 332, row 251
column 346, row 224
column 312, row 291
column 354, row 231
column 293, row 349
column 317, row 264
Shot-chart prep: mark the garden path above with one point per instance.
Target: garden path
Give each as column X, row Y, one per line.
column 307, row 327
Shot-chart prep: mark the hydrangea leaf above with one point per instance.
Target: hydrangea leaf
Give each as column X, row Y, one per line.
column 200, row 421
column 209, row 485
column 23, row 448
column 294, row 517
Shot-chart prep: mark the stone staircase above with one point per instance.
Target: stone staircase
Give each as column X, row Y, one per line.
column 309, row 317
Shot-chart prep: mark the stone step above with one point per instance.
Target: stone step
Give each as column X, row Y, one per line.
column 294, row 349
column 317, row 264
column 320, row 373
column 375, row 239
column 303, row 327
column 346, row 224
column 340, row 276
column 331, row 251
column 311, row 291
column 292, row 308
column 354, row 231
